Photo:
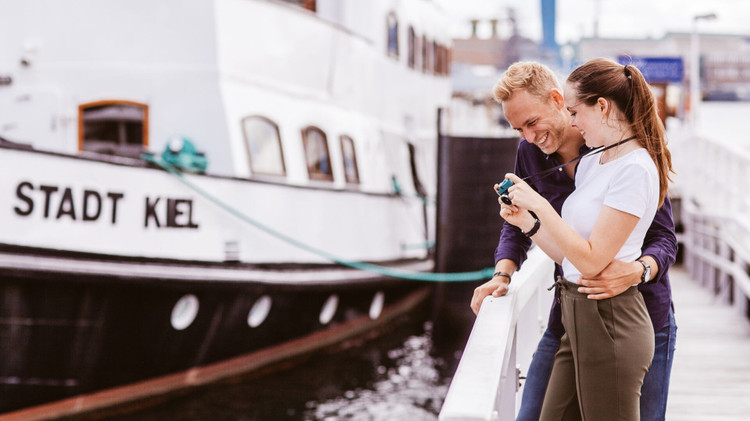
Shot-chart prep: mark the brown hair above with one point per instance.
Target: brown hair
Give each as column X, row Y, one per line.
column 626, row 87
column 536, row 78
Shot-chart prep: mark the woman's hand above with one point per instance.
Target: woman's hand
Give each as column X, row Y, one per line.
column 516, row 216
column 523, row 196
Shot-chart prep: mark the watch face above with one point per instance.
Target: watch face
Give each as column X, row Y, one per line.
column 646, row 275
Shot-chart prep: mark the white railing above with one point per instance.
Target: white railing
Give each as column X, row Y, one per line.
column 713, row 181
column 505, row 334
column 717, row 254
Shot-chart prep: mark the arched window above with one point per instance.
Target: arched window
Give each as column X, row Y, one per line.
column 316, row 154
column 392, row 23
column 351, row 171
column 412, row 58
column 440, row 60
column 443, row 59
column 425, row 54
column 113, row 127
column 263, row 144
column 435, row 59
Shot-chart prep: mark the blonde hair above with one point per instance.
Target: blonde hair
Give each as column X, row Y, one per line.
column 536, row 78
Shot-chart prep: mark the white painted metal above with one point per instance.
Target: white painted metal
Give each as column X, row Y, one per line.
column 201, row 67
column 328, row 220
column 713, row 187
column 486, row 381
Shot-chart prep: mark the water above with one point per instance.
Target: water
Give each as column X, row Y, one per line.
column 402, row 375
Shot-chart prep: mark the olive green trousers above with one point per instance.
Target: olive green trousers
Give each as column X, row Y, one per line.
column 604, row 354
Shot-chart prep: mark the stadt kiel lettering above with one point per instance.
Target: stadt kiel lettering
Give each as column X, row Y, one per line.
column 58, row 202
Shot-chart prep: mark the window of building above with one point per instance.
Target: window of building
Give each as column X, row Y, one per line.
column 392, row 23
column 351, row 171
column 316, row 154
column 412, row 58
column 263, row 144
column 113, row 127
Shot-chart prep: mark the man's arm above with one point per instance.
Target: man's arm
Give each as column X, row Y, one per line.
column 509, row 255
column 497, row 286
column 659, row 251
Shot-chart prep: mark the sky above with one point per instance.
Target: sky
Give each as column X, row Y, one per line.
column 617, row 18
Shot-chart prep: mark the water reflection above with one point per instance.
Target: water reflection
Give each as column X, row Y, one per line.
column 402, row 375
column 408, row 386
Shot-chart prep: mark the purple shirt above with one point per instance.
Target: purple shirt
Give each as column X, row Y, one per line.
column 660, row 242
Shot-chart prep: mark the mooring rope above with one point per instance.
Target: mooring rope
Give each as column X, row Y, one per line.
column 364, row 266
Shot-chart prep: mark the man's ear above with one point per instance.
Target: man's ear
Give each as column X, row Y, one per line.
column 557, row 98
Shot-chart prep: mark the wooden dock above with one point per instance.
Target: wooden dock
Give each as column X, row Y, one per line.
column 711, row 372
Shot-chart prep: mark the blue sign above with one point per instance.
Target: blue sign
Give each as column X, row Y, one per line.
column 657, row 69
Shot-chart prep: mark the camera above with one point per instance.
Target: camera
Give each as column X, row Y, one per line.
column 502, row 191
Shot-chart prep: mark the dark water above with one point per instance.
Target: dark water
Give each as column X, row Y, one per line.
column 402, row 375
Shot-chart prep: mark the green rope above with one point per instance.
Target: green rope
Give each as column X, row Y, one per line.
column 368, row 267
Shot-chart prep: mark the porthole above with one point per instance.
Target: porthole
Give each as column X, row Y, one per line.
column 376, row 307
column 259, row 312
column 329, row 309
column 184, row 312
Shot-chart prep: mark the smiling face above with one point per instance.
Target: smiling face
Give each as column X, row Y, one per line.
column 541, row 121
column 587, row 119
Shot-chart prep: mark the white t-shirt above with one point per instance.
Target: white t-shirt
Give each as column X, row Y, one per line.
column 629, row 183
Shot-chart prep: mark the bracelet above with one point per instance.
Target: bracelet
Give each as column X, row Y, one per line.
column 533, row 229
column 499, row 273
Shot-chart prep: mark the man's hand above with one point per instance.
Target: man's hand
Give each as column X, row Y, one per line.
column 497, row 287
column 613, row 280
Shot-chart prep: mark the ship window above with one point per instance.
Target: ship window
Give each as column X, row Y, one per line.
column 350, row 160
column 425, row 54
column 392, row 23
column 307, row 4
column 435, row 58
column 444, row 57
column 412, row 48
column 263, row 144
column 316, row 154
column 113, row 127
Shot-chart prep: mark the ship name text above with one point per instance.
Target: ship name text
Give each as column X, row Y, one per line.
column 58, row 202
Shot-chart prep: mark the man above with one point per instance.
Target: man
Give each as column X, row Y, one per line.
column 533, row 105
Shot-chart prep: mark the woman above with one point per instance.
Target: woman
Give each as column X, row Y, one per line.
column 608, row 344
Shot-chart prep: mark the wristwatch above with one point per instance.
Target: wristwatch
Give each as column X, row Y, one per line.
column 646, row 275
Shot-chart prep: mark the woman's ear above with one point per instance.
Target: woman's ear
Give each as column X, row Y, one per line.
column 603, row 105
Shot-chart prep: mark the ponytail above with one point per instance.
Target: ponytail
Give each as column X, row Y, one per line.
column 645, row 123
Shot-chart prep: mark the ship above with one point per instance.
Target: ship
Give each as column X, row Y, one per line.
column 195, row 190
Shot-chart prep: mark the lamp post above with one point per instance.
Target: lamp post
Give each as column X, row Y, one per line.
column 695, row 79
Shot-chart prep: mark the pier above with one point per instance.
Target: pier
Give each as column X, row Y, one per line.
column 711, row 367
